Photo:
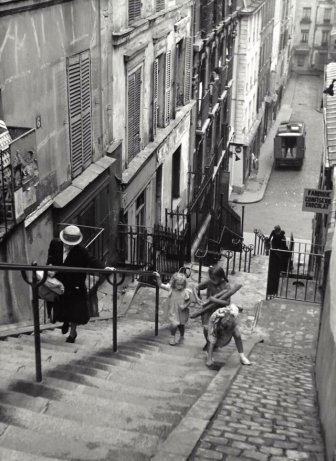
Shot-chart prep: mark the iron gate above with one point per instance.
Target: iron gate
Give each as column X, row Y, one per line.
column 295, row 274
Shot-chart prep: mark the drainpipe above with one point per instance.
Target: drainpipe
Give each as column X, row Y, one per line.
column 100, row 79
column 315, row 28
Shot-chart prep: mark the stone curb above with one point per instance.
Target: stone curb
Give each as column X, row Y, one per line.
column 258, row 196
column 182, row 440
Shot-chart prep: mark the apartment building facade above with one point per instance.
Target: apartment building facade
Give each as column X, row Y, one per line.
column 314, row 37
column 245, row 92
column 215, row 31
column 151, row 108
column 281, row 50
column 56, row 168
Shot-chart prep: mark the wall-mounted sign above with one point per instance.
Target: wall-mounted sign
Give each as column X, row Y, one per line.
column 317, row 201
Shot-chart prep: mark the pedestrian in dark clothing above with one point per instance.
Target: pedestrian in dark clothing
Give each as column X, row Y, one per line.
column 279, row 258
column 277, row 238
column 72, row 307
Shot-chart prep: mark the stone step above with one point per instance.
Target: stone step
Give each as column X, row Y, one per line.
column 77, row 409
column 120, row 402
column 77, row 437
column 7, row 454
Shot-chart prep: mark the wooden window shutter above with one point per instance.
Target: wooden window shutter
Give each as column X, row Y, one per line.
column 188, row 70
column 86, row 109
column 134, row 10
column 79, row 96
column 167, row 88
column 159, row 5
column 155, row 95
column 134, row 113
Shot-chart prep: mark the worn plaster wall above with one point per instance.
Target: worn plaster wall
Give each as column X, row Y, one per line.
column 326, row 359
column 33, row 51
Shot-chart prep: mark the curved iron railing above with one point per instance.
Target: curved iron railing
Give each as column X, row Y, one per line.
column 112, row 278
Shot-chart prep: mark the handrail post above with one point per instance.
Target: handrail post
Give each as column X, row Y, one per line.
column 37, row 337
column 114, row 314
column 157, row 300
column 35, row 283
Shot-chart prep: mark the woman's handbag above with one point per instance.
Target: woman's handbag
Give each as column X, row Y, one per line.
column 51, row 289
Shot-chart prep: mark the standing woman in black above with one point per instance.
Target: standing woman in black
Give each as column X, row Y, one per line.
column 72, row 307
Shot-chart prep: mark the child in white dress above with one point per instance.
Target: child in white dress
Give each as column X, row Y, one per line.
column 178, row 303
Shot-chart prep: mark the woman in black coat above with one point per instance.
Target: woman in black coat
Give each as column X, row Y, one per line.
column 72, row 307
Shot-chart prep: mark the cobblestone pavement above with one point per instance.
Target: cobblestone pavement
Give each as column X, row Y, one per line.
column 270, row 413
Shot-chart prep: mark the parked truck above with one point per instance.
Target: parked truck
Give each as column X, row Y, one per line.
column 290, row 144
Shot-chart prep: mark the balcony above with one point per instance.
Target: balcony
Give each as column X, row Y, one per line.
column 18, row 176
column 305, row 20
column 203, row 110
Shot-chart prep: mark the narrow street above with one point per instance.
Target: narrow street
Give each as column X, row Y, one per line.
column 282, row 202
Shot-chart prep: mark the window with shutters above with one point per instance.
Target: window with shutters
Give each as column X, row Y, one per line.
column 183, row 70
column 134, row 113
column 160, row 5
column 167, row 103
column 159, row 92
column 80, row 118
column 134, row 10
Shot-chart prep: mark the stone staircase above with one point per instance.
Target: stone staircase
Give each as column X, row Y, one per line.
column 94, row 404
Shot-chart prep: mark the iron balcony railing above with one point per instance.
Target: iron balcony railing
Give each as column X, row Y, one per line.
column 203, row 110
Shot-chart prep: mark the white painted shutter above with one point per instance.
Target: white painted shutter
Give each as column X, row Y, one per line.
column 167, row 89
column 188, row 70
column 155, row 95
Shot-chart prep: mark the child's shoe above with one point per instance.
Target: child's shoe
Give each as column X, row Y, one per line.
column 172, row 341
column 244, row 360
column 181, row 340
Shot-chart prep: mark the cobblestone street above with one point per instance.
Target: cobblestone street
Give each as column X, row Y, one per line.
column 270, row 413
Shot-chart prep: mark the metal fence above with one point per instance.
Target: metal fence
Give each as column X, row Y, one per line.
column 295, row 275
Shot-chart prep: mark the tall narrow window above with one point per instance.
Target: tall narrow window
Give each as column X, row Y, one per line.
column 176, row 172
column 79, row 100
column 325, row 38
column 306, row 13
column 167, row 88
column 134, row 10
column 327, row 15
column 159, row 91
column 159, row 5
column 188, row 70
column 304, row 36
column 134, row 112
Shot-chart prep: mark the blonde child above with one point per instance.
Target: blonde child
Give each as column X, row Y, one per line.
column 178, row 303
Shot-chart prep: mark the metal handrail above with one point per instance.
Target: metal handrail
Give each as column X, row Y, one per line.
column 35, row 283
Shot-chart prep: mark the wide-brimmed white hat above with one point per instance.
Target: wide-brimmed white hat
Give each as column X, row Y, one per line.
column 71, row 235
